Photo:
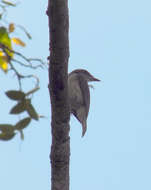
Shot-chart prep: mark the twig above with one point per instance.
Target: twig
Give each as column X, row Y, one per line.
column 29, row 60
column 29, row 65
column 25, row 65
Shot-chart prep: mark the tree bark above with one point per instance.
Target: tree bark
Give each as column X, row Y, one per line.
column 58, row 87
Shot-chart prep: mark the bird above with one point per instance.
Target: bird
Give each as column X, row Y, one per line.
column 79, row 95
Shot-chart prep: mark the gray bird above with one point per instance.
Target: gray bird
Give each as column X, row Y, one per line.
column 79, row 95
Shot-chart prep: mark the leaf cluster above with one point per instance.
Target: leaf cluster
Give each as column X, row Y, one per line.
column 9, row 57
column 23, row 104
column 6, row 45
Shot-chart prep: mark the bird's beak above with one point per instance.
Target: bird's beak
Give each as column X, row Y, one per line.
column 95, row 79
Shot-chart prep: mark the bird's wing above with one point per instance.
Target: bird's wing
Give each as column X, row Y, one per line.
column 85, row 92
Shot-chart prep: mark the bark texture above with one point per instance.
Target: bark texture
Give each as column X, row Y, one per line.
column 58, row 75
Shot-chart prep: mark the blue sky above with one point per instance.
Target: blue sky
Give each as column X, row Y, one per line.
column 111, row 39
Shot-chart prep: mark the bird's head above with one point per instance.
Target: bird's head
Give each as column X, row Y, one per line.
column 88, row 77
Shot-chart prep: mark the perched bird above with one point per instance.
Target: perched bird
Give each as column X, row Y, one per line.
column 79, row 95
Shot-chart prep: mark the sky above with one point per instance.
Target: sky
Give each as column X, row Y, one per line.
column 111, row 39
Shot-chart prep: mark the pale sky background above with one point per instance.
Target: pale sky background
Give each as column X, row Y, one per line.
column 112, row 40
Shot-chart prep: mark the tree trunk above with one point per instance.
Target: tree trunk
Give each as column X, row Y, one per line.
column 58, row 87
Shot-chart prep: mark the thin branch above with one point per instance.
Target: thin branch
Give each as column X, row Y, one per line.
column 23, row 28
column 28, row 64
column 36, row 59
column 29, row 60
column 25, row 65
column 19, row 76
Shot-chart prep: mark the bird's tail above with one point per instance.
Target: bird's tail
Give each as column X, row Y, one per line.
column 84, row 128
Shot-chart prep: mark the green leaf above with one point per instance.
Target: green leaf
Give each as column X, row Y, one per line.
column 7, row 131
column 23, row 123
column 7, row 136
column 32, row 112
column 15, row 95
column 6, row 128
column 8, row 3
column 19, row 108
column 5, row 40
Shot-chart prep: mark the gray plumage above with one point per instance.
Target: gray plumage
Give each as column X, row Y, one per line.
column 79, row 95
